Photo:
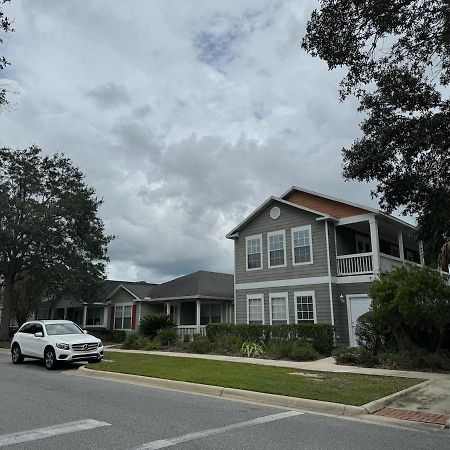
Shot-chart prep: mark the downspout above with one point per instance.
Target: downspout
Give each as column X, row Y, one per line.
column 329, row 272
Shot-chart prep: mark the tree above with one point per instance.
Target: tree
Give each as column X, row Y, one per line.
column 49, row 227
column 397, row 53
column 5, row 26
column 413, row 305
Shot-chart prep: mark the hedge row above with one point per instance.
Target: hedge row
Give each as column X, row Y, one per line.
column 108, row 335
column 320, row 336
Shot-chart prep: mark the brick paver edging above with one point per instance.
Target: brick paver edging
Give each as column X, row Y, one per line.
column 415, row 416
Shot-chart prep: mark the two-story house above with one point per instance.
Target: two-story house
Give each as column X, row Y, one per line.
column 309, row 257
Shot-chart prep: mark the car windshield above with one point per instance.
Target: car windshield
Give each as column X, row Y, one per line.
column 55, row 329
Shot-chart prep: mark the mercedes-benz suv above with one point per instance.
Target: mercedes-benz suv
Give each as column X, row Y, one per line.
column 54, row 341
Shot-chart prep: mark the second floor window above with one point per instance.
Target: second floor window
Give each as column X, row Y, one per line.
column 254, row 256
column 277, row 248
column 301, row 245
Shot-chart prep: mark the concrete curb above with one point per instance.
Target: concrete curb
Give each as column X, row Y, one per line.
column 337, row 409
column 447, row 425
column 380, row 403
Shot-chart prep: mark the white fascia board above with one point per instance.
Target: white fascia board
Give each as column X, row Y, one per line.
column 234, row 233
column 329, row 197
column 121, row 286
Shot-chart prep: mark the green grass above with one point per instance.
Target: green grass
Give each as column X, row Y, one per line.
column 350, row 389
column 5, row 344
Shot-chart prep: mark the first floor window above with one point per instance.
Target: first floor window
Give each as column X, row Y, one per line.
column 278, row 308
column 305, row 308
column 255, row 309
column 122, row 317
column 94, row 315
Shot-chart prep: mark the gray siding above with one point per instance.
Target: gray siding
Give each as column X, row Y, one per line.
column 340, row 309
column 321, row 295
column 290, row 218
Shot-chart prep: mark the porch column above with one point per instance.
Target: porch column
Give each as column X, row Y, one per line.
column 84, row 315
column 400, row 246
column 105, row 316
column 65, row 313
column 375, row 243
column 197, row 323
column 168, row 308
column 421, row 254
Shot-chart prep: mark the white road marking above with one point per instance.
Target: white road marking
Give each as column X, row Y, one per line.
column 42, row 433
column 213, row 431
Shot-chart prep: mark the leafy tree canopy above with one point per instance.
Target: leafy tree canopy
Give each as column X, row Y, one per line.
column 413, row 305
column 397, row 53
column 49, row 227
column 5, row 26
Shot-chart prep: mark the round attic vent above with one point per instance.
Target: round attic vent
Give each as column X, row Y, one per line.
column 275, row 212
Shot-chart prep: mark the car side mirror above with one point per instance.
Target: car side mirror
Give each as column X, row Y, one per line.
column 39, row 334
column 85, row 332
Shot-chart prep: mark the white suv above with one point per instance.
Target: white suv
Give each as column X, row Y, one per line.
column 54, row 341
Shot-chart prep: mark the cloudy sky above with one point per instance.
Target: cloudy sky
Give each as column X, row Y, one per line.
column 184, row 116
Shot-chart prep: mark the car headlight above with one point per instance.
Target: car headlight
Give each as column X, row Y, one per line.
column 100, row 344
column 63, row 346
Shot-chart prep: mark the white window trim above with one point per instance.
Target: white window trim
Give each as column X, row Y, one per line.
column 305, row 294
column 248, row 238
column 293, row 230
column 274, row 233
column 255, row 296
column 278, row 294
column 131, row 321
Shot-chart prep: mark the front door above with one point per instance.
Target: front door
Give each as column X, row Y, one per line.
column 357, row 305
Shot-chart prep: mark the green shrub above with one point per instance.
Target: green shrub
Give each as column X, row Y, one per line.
column 117, row 336
column 186, row 338
column 135, row 342
column 167, row 336
column 369, row 335
column 320, row 336
column 152, row 323
column 358, row 356
column 416, row 359
column 227, row 344
column 302, row 351
column 278, row 348
column 252, row 349
column 152, row 345
column 199, row 344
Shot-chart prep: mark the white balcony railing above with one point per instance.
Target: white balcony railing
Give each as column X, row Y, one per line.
column 190, row 330
column 357, row 264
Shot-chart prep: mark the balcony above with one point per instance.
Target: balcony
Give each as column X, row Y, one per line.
column 356, row 264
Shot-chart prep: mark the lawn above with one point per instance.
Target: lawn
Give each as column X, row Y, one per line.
column 350, row 389
column 5, row 344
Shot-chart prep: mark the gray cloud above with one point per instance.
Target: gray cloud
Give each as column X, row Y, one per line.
column 212, row 109
column 108, row 95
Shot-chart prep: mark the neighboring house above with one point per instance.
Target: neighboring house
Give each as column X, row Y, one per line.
column 306, row 257
column 193, row 300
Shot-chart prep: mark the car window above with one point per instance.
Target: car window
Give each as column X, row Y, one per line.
column 27, row 328
column 55, row 329
column 38, row 328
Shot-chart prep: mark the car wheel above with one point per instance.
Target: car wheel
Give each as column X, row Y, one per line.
column 16, row 354
column 50, row 358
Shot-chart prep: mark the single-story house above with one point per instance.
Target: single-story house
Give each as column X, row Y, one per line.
column 193, row 300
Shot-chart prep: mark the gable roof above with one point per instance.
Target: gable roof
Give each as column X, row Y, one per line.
column 138, row 289
column 335, row 206
column 249, row 218
column 199, row 284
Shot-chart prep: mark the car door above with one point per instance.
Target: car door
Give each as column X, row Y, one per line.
column 37, row 344
column 24, row 338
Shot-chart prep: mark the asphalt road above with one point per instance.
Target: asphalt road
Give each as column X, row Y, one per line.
column 41, row 409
